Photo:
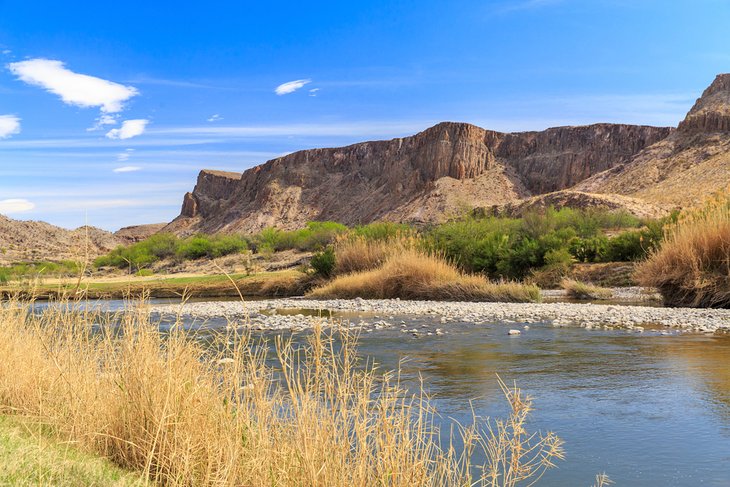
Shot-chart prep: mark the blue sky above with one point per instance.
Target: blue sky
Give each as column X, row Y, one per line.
column 173, row 87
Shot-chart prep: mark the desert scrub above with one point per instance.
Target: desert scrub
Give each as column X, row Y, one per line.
column 582, row 290
column 356, row 253
column 416, row 274
column 229, row 413
column 692, row 266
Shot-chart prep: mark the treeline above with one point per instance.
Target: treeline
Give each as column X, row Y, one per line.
column 499, row 247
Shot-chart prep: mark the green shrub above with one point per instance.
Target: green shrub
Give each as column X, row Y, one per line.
column 591, row 249
column 144, row 273
column 324, row 262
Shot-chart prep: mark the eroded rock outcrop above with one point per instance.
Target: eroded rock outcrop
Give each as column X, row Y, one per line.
column 426, row 178
column 686, row 167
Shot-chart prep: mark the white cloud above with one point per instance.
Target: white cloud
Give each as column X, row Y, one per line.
column 73, row 88
column 313, row 91
column 129, row 129
column 104, row 119
column 215, row 118
column 16, row 205
column 127, row 169
column 7, row 52
column 9, row 125
column 291, row 86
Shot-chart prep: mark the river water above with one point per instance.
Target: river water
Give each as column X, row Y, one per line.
column 649, row 409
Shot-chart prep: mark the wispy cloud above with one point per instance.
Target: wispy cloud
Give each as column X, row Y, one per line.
column 129, row 129
column 146, row 80
column 313, row 91
column 334, row 129
column 215, row 118
column 291, row 86
column 73, row 88
column 124, row 156
column 15, row 205
column 126, row 169
column 9, row 125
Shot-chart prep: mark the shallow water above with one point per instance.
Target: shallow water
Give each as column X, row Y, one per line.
column 648, row 409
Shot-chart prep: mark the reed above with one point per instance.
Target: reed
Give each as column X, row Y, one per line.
column 416, row 274
column 692, row 266
column 226, row 412
column 582, row 290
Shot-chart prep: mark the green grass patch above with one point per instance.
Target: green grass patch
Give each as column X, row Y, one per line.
column 30, row 457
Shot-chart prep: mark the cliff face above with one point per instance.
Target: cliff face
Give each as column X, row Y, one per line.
column 711, row 112
column 686, row 167
column 426, row 177
column 561, row 157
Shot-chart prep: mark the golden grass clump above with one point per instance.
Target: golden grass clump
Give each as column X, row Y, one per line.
column 416, row 274
column 692, row 266
column 220, row 411
column 357, row 253
column 583, row 290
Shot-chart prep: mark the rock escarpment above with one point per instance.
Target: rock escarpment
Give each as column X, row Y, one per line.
column 686, row 167
column 451, row 167
column 427, row 177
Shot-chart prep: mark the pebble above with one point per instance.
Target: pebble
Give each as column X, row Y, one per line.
column 558, row 314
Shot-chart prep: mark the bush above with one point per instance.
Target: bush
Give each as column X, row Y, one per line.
column 215, row 246
column 315, row 236
column 323, row 262
column 692, row 266
column 581, row 290
column 383, row 231
column 414, row 274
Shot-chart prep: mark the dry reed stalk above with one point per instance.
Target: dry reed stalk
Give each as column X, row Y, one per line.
column 222, row 412
column 692, row 266
column 415, row 274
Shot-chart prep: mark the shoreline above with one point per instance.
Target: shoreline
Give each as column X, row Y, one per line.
column 264, row 314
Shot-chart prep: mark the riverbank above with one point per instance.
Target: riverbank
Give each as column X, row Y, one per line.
column 266, row 284
column 29, row 456
column 266, row 314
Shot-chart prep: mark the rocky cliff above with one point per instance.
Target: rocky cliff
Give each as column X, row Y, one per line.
column 684, row 168
column 427, row 177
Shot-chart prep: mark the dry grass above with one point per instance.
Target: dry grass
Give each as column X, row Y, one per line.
column 357, row 254
column 186, row 413
column 692, row 266
column 582, row 290
column 415, row 274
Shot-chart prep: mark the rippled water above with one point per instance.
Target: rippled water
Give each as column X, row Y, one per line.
column 647, row 409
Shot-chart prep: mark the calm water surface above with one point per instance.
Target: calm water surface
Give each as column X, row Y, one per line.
column 648, row 409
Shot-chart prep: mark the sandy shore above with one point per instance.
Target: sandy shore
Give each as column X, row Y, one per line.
column 269, row 314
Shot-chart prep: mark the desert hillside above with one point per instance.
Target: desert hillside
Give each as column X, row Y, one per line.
column 37, row 241
column 684, row 168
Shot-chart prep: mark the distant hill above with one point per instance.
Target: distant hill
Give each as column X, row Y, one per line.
column 22, row 241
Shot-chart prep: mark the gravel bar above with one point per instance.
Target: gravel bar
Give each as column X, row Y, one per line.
column 264, row 315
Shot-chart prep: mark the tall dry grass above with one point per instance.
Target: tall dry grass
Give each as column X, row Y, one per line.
column 188, row 413
column 416, row 274
column 692, row 266
column 357, row 254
